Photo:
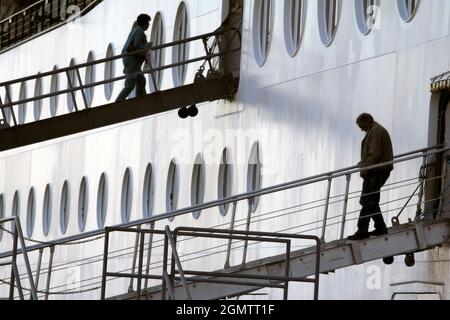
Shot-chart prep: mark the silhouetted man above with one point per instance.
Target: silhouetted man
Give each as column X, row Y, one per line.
column 133, row 63
column 376, row 148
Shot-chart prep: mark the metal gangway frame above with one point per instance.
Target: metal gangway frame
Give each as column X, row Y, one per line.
column 15, row 275
column 170, row 239
column 214, row 49
column 425, row 154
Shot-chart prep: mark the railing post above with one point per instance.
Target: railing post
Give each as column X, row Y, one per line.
column 49, row 274
column 133, row 265
column 152, row 74
column 325, row 214
column 77, row 71
column 8, row 97
column 344, row 210
column 14, row 259
column 233, row 217
column 287, row 271
column 149, row 253
column 444, row 187
column 38, row 272
column 165, row 282
column 25, row 257
column 69, row 81
column 247, row 229
column 140, row 265
column 105, row 264
column 422, row 178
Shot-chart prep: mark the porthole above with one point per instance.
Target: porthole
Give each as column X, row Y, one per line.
column 294, row 16
column 37, row 104
column 47, row 211
column 31, row 212
column 225, row 181
column 89, row 79
column 16, row 205
column 157, row 56
column 147, row 199
column 180, row 52
column 2, row 215
column 366, row 14
column 172, row 188
column 72, row 82
column 329, row 11
column 64, row 208
column 110, row 71
column 22, row 106
column 407, row 9
column 197, row 184
column 102, row 201
column 7, row 111
column 54, row 87
column 83, row 202
column 127, row 196
column 254, row 175
column 262, row 29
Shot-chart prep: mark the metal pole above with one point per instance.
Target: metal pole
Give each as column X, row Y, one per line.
column 69, row 81
column 233, row 217
column 140, row 266
column 247, row 229
column 38, row 272
column 165, row 281
column 14, row 259
column 325, row 214
column 105, row 265
column 344, row 210
column 205, row 45
column 49, row 275
column 317, row 274
column 421, row 191
column 287, row 273
column 133, row 265
column 149, row 253
column 19, row 284
column 81, row 88
column 8, row 97
column 152, row 74
column 27, row 261
column 444, row 186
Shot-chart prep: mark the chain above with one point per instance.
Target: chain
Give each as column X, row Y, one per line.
column 53, row 293
column 62, row 244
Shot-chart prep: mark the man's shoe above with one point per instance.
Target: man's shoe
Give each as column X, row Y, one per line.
column 359, row 235
column 378, row 232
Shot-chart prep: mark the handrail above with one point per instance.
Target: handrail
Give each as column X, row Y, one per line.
column 22, row 11
column 425, row 152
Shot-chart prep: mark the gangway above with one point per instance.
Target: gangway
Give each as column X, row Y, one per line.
column 166, row 268
column 218, row 83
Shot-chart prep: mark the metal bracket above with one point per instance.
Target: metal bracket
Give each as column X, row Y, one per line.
column 356, row 252
column 420, row 236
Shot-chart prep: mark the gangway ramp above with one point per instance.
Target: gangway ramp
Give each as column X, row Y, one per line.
column 218, row 83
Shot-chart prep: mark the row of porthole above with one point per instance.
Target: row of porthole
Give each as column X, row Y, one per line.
column 197, row 194
column 180, row 53
column 329, row 12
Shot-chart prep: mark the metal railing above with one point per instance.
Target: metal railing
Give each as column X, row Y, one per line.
column 424, row 154
column 42, row 16
column 74, row 72
column 15, row 275
column 168, row 280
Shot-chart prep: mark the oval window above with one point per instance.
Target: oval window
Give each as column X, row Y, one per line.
column 407, row 9
column 197, row 184
column 2, row 214
column 172, row 188
column 366, row 14
column 110, row 70
column 89, row 79
column 102, row 201
column 72, row 82
column 54, row 87
column 37, row 103
column 147, row 199
column 64, row 208
column 254, row 175
column 22, row 106
column 294, row 13
column 262, row 29
column 83, row 201
column 157, row 56
column 225, row 181
column 7, row 110
column 47, row 211
column 127, row 196
column 329, row 11
column 180, row 52
column 31, row 212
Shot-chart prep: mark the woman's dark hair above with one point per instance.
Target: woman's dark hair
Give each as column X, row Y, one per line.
column 365, row 118
column 143, row 19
